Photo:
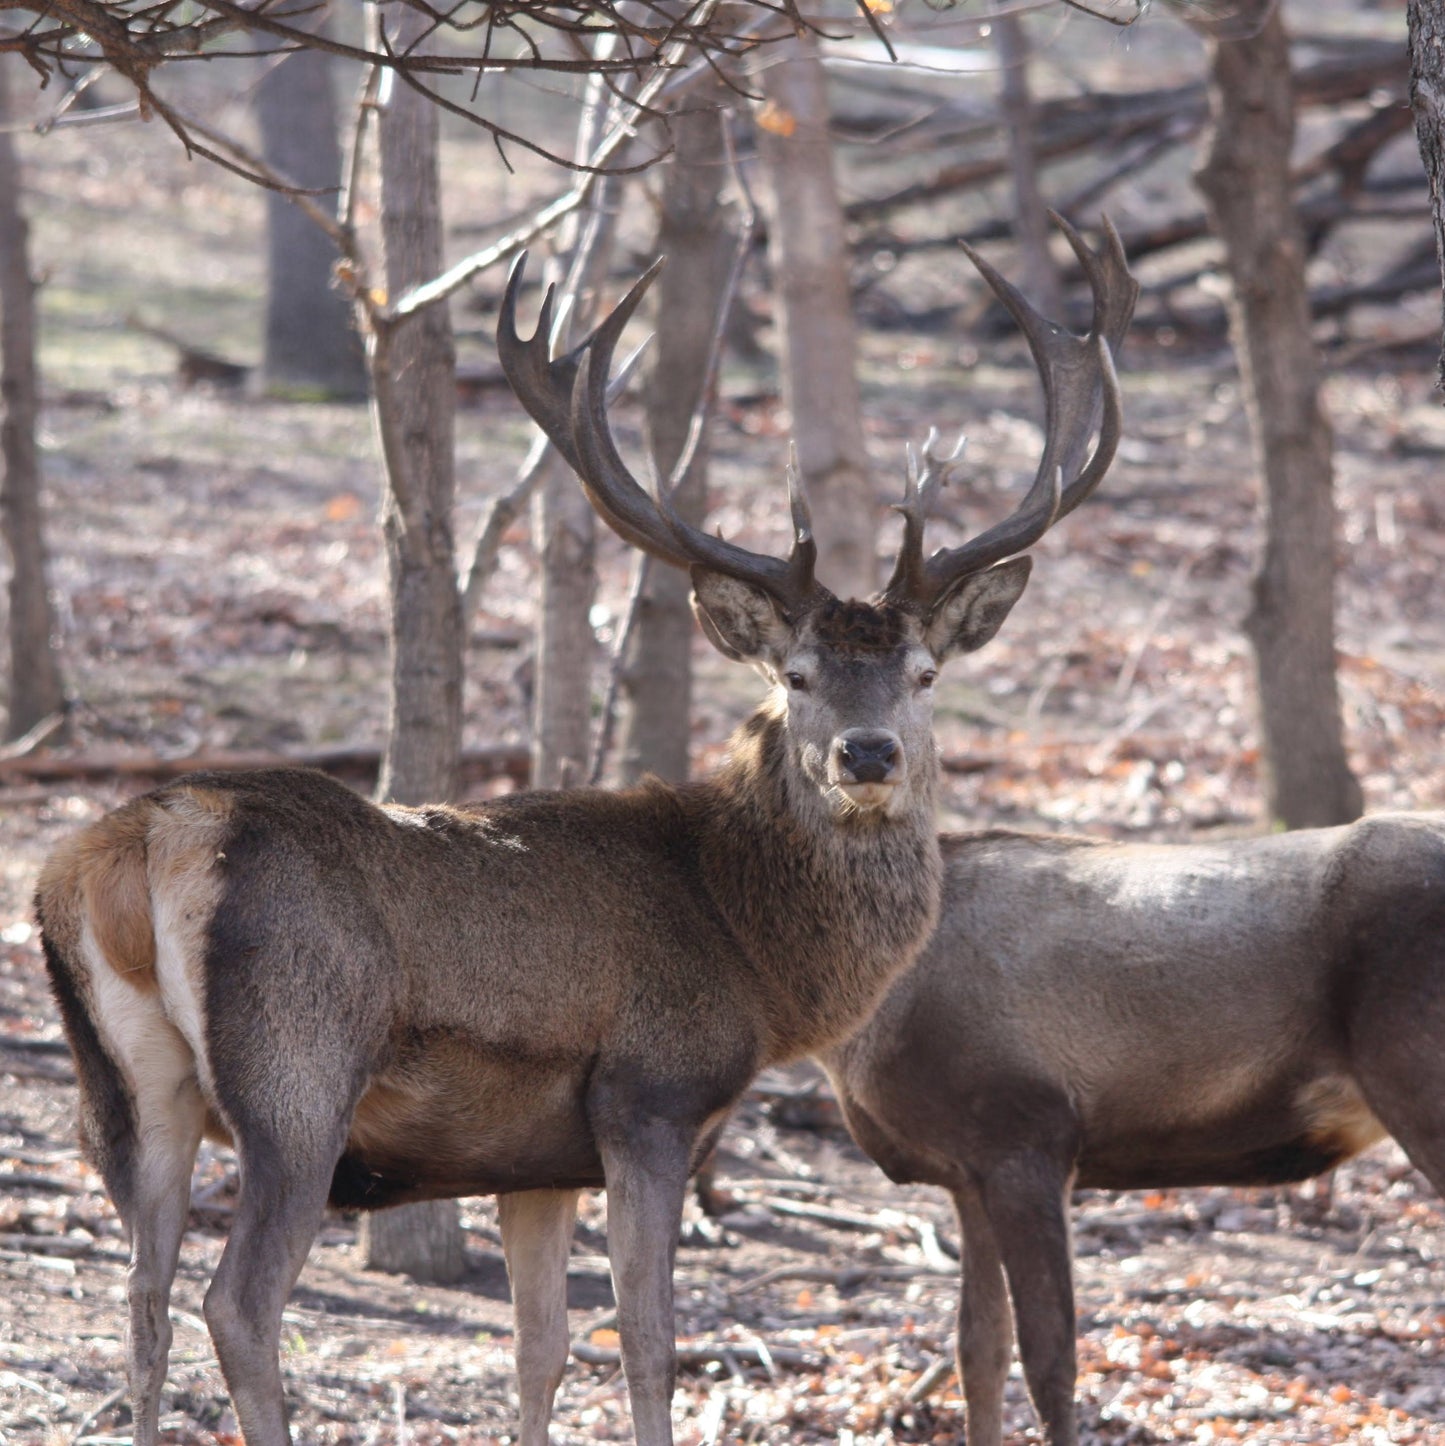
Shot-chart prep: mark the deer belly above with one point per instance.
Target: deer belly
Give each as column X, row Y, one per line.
column 454, row 1121
column 1277, row 1137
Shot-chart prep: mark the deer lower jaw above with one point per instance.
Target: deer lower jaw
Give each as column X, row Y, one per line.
column 866, row 797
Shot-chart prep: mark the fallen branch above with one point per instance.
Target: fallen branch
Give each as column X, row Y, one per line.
column 477, row 764
column 842, row 1277
column 939, row 1373
column 98, row 1410
column 48, row 726
column 706, row 1353
column 63, row 1245
column 18, row 1180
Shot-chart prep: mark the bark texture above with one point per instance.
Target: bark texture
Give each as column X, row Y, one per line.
column 814, row 302
column 565, row 525
column 696, row 234
column 36, row 688
column 566, row 530
column 311, row 349
column 1427, row 99
column 1245, row 180
column 414, row 390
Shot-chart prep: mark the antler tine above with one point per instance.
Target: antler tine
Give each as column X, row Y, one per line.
column 543, row 386
column 655, row 526
column 1115, row 292
column 919, row 489
column 1078, row 379
column 804, row 555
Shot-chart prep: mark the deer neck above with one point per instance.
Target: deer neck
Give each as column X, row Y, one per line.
column 829, row 909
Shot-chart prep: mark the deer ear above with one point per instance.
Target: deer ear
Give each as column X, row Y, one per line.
column 967, row 617
column 741, row 621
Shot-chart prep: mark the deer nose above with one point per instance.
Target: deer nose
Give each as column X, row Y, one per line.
column 868, row 755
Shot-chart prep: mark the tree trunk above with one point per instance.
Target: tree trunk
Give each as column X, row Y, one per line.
column 566, row 531
column 1040, row 277
column 1427, row 98
column 1245, row 179
column 36, row 690
column 312, row 349
column 698, row 239
column 565, row 525
column 815, row 313
column 414, row 387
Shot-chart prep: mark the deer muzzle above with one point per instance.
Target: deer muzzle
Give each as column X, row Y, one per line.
column 865, row 765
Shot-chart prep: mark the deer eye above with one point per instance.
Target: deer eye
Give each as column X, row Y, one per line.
column 926, row 677
column 796, row 681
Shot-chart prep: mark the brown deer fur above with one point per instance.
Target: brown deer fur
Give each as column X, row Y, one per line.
column 1124, row 1016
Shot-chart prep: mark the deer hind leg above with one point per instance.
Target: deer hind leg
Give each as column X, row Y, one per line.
column 985, row 1330
column 645, row 1161
column 286, row 1163
column 1402, row 1077
column 1026, row 1197
column 141, row 1088
column 537, row 1238
column 168, row 1144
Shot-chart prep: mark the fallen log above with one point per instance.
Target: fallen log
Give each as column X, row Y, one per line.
column 478, row 765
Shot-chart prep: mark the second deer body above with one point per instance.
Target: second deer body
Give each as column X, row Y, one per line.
column 1139, row 1016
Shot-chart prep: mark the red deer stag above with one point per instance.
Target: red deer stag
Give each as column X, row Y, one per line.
column 552, row 991
column 1126, row 1016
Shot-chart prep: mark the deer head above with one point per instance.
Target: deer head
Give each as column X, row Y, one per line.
column 851, row 680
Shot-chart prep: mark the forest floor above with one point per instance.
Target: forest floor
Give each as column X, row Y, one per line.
column 222, row 585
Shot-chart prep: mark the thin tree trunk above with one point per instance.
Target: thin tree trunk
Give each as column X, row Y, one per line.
column 1031, row 220
column 815, row 313
column 311, row 349
column 1427, row 98
column 697, row 237
column 36, row 689
column 424, row 739
column 1245, row 179
column 414, row 387
column 566, row 526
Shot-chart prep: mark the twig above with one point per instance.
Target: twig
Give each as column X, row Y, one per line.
column 1145, row 639
column 507, row 507
column 941, row 1254
column 96, row 1412
column 389, row 426
column 843, row 1278
column 703, row 1353
column 62, row 1245
column 346, row 202
column 826, row 1215
column 936, row 1375
column 28, row 742
column 398, row 1396
column 661, row 87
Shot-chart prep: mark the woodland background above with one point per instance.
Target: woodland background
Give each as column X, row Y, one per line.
column 220, row 586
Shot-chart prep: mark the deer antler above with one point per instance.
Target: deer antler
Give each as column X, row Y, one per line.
column 1077, row 375
column 567, row 397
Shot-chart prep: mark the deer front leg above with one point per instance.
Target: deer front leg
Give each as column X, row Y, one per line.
column 1025, row 1197
column 646, row 1172
column 536, row 1237
column 985, row 1331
